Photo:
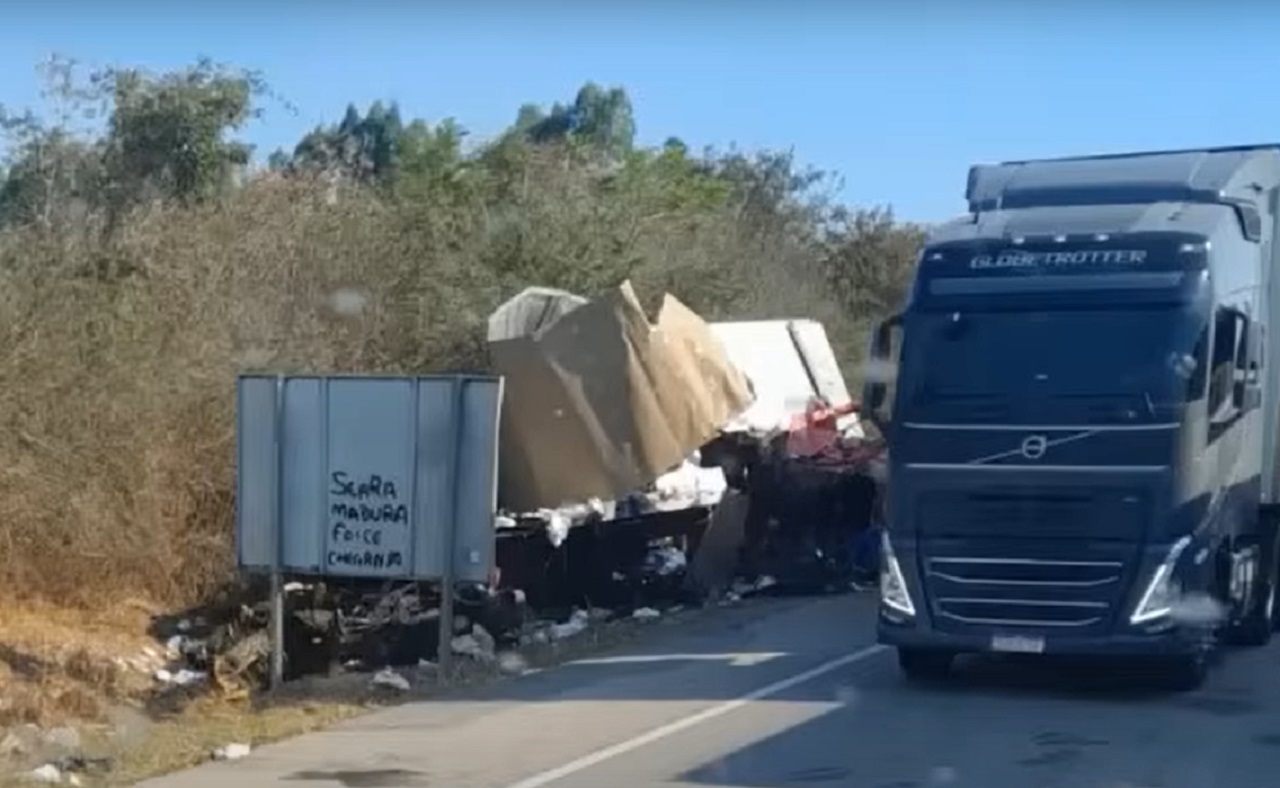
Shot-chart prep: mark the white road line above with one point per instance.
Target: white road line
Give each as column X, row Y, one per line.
column 672, row 728
column 744, row 660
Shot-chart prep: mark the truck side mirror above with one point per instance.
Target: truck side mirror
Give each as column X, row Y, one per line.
column 1246, row 394
column 1246, row 391
column 880, row 371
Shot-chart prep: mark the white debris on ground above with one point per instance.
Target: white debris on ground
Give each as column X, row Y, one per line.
column 742, row 588
column 646, row 614
column 347, row 301
column 47, row 773
column 478, row 644
column 488, row 646
column 389, row 679
column 512, row 663
column 232, row 752
column 52, row 775
column 576, row 625
column 178, row 649
column 181, row 677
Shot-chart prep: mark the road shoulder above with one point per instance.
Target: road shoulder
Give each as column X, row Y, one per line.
column 500, row 734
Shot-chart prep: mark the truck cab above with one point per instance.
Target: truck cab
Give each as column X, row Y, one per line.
column 1081, row 410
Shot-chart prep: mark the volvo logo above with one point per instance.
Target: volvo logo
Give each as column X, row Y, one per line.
column 1034, row 446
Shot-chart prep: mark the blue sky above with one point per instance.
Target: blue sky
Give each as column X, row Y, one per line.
column 899, row 102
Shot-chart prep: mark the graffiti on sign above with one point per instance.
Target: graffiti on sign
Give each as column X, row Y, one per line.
column 369, row 525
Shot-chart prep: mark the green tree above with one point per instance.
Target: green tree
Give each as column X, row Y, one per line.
column 167, row 134
column 600, row 117
column 363, row 148
column 52, row 171
column 870, row 260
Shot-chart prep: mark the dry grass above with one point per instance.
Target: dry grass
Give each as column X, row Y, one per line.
column 59, row 665
column 188, row 740
column 117, row 461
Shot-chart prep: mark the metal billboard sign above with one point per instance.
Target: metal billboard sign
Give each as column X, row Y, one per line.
column 367, row 476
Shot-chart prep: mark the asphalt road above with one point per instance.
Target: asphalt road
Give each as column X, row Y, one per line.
column 794, row 693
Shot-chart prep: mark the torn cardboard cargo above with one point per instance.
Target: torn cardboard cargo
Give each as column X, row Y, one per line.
column 601, row 402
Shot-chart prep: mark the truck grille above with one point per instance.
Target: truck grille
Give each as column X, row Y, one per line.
column 1023, row 592
column 1040, row 512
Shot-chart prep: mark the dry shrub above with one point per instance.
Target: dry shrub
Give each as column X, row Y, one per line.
column 61, row 665
column 118, row 457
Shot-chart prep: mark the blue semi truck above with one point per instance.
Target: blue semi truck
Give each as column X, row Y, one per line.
column 1082, row 415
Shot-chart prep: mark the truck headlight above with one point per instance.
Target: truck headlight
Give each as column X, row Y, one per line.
column 1161, row 594
column 893, row 586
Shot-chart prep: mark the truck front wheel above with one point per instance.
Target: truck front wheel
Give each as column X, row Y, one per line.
column 1255, row 626
column 925, row 664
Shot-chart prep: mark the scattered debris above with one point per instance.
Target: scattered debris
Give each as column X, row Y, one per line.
column 181, row 677
column 232, row 752
column 390, row 679
column 576, row 625
column 488, row 646
column 478, row 645
column 70, row 764
column 48, row 773
column 512, row 663
column 742, row 588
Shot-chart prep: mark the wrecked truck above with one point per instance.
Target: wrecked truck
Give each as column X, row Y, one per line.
column 671, row 433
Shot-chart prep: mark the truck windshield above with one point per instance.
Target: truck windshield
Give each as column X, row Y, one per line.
column 1061, row 366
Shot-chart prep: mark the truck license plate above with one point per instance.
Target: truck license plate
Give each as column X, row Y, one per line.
column 1017, row 644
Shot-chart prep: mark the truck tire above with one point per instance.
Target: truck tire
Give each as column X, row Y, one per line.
column 920, row 664
column 1255, row 627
